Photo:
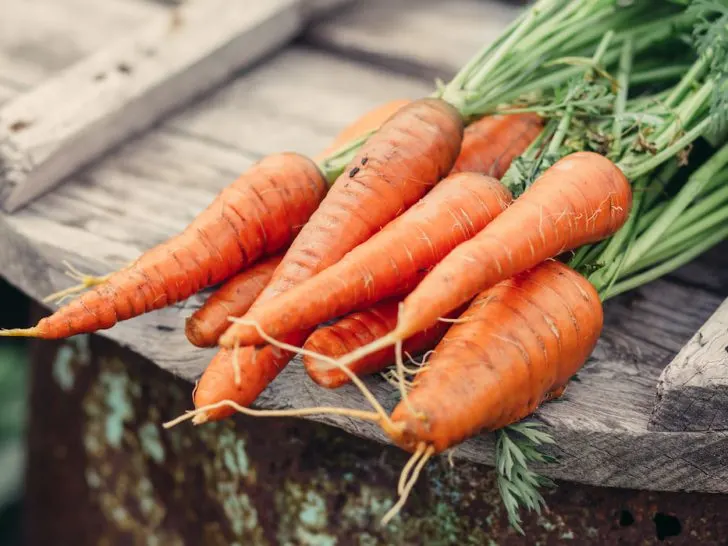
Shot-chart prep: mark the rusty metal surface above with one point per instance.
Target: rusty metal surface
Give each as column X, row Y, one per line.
column 102, row 471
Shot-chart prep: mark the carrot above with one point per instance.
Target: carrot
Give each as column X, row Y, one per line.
column 493, row 142
column 517, row 343
column 385, row 178
column 356, row 330
column 256, row 215
column 396, row 166
column 234, row 297
column 395, row 258
column 582, row 198
column 370, row 121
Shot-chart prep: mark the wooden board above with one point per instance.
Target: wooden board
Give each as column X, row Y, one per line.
column 298, row 100
column 126, row 87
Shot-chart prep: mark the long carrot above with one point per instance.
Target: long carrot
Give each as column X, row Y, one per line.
column 397, row 165
column 256, row 215
column 493, row 142
column 384, row 179
column 582, row 198
column 234, row 297
column 395, row 258
column 359, row 329
column 368, row 122
column 516, row 343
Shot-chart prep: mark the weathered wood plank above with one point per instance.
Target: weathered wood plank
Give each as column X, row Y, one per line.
column 429, row 38
column 296, row 101
column 692, row 393
column 41, row 37
column 50, row 132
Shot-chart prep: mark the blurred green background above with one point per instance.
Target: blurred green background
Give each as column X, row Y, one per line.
column 14, row 386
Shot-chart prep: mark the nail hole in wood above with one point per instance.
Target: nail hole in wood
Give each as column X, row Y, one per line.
column 100, row 77
column 19, row 125
column 666, row 526
column 163, row 328
column 124, row 68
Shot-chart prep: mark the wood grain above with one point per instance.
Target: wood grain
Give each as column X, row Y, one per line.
column 151, row 188
column 692, row 392
column 68, row 121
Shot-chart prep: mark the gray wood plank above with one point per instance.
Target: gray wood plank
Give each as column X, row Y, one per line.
column 692, row 393
column 66, row 122
column 42, row 37
column 429, row 38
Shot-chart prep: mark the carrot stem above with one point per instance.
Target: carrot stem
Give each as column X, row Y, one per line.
column 625, row 69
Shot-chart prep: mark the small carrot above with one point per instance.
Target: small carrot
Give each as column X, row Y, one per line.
column 370, row 121
column 491, row 143
column 256, row 215
column 395, row 258
column 515, row 345
column 234, row 297
column 582, row 198
column 357, row 330
column 396, row 166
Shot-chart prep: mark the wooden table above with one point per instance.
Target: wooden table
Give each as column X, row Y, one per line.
column 103, row 405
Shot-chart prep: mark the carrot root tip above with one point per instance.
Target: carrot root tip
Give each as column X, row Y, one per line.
column 21, row 332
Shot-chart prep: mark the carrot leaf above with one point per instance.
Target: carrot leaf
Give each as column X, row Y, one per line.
column 516, row 447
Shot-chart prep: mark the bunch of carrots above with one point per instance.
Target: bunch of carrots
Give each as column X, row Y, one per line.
column 578, row 156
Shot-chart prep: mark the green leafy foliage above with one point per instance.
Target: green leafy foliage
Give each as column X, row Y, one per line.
column 517, row 446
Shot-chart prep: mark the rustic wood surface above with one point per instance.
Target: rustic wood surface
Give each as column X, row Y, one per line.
column 298, row 99
column 128, row 86
column 692, row 393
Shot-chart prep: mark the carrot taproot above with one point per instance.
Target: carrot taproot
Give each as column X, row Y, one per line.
column 582, row 198
column 356, row 330
column 391, row 261
column 411, row 152
column 491, row 143
column 234, row 297
column 517, row 344
column 256, row 215
column 370, row 121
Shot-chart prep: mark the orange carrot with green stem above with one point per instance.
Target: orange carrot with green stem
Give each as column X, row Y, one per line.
column 582, row 198
column 256, row 215
column 391, row 261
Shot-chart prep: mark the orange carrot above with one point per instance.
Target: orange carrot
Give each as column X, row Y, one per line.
column 396, row 166
column 517, row 344
column 493, row 142
column 256, row 215
column 234, row 297
column 385, row 178
column 391, row 261
column 357, row 330
column 370, row 121
column 582, row 198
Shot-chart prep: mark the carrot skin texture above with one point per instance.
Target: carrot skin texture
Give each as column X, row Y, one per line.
column 256, row 215
column 491, row 143
column 233, row 298
column 370, row 121
column 392, row 260
column 582, row 198
column 359, row 329
column 517, row 343
column 397, row 165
